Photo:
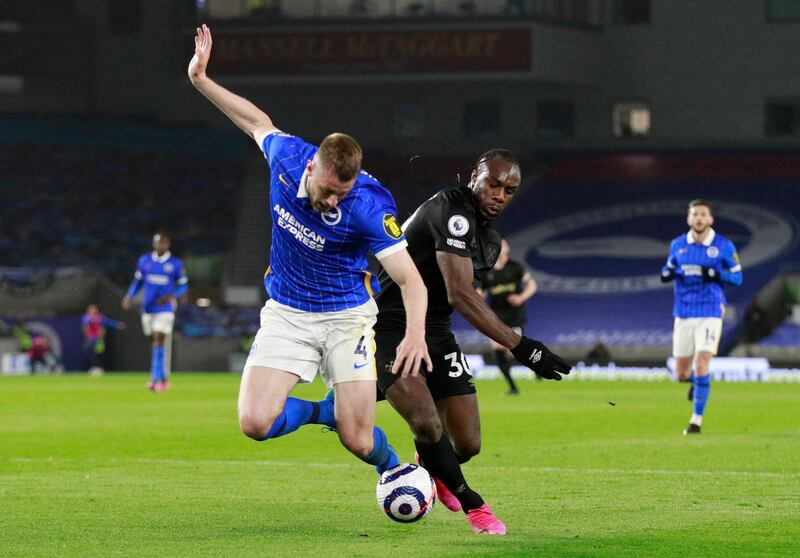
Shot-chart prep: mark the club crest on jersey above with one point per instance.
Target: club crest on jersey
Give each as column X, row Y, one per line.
column 458, row 225
column 332, row 217
column 391, row 227
column 168, row 267
column 712, row 251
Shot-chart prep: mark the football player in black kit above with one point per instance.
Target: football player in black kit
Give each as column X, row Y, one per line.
column 509, row 285
column 454, row 243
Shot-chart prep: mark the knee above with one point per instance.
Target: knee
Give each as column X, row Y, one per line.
column 360, row 445
column 255, row 425
column 702, row 365
column 426, row 427
column 468, row 450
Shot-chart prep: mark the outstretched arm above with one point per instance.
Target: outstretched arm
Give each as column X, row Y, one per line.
column 248, row 117
column 457, row 272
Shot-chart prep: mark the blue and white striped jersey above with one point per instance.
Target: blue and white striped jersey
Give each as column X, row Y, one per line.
column 694, row 297
column 160, row 276
column 318, row 261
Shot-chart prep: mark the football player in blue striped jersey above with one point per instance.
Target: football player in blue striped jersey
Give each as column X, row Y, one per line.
column 327, row 214
column 700, row 262
column 164, row 280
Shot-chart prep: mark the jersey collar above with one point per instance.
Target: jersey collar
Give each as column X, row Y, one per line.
column 163, row 258
column 708, row 240
column 302, row 189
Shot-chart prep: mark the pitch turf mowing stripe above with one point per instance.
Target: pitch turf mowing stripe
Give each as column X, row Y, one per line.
column 498, row 468
column 101, row 467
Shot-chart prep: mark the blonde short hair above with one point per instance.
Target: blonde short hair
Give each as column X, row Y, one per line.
column 342, row 155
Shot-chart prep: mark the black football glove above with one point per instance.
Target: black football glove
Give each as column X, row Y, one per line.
column 670, row 274
column 711, row 275
column 538, row 358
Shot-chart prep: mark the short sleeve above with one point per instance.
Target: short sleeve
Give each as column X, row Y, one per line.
column 179, row 273
column 452, row 228
column 377, row 213
column 730, row 258
column 524, row 274
column 285, row 152
column 672, row 261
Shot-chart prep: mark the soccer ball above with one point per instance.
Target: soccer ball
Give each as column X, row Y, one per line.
column 406, row 493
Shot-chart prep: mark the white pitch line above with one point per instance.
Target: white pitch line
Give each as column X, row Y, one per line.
column 509, row 468
column 648, row 471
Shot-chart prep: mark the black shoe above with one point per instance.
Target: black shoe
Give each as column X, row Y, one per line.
column 512, row 392
column 691, row 429
column 690, row 394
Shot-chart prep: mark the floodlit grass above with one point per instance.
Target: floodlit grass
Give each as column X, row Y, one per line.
column 101, row 467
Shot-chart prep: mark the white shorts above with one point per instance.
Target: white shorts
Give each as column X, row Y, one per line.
column 339, row 345
column 161, row 322
column 692, row 335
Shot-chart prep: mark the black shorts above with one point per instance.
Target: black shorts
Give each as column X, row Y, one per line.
column 450, row 374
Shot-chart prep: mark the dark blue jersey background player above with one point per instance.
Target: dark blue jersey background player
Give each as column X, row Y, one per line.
column 700, row 262
column 327, row 214
column 163, row 280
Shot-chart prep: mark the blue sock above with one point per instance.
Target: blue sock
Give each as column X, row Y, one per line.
column 383, row 455
column 157, row 364
column 296, row 413
column 702, row 387
column 326, row 413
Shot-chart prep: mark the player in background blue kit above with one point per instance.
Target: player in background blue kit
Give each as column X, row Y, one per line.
column 164, row 281
column 326, row 213
column 700, row 262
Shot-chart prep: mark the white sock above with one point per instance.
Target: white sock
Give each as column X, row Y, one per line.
column 696, row 419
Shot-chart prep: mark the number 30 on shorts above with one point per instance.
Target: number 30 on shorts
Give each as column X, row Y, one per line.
column 457, row 364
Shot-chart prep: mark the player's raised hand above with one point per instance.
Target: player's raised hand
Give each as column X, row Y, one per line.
column 202, row 53
column 411, row 353
column 536, row 356
column 126, row 303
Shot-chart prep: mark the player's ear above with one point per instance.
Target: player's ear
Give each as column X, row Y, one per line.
column 473, row 179
column 310, row 166
column 710, row 219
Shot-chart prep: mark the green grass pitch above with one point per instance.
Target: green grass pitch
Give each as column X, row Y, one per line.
column 101, row 467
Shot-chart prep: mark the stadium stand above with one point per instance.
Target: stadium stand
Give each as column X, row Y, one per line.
column 68, row 198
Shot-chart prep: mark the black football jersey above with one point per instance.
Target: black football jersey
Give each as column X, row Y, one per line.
column 500, row 283
column 447, row 222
